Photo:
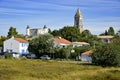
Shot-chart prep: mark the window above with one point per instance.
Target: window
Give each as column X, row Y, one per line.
column 23, row 51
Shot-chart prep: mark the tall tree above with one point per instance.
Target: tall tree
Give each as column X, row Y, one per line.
column 41, row 45
column 12, row 32
column 111, row 31
column 70, row 33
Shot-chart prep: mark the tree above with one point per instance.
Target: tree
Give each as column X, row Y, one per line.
column 12, row 32
column 111, row 31
column 41, row 45
column 55, row 33
column 49, row 30
column 70, row 33
column 86, row 33
column 107, row 55
column 2, row 40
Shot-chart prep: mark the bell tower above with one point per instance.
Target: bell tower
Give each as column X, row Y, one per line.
column 78, row 20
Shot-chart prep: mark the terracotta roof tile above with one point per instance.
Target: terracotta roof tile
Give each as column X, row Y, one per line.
column 62, row 40
column 20, row 40
column 87, row 52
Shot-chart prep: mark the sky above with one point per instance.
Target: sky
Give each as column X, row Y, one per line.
column 98, row 15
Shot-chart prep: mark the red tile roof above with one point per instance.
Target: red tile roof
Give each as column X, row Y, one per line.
column 62, row 40
column 20, row 40
column 87, row 52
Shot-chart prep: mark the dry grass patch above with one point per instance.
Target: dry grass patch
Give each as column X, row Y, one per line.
column 53, row 70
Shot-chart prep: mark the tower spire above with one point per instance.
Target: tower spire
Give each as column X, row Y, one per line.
column 78, row 20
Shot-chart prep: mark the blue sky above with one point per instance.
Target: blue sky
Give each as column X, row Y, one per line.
column 98, row 15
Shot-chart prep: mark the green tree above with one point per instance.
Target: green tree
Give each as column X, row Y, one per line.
column 70, row 33
column 49, row 30
column 41, row 45
column 86, row 33
column 56, row 33
column 12, row 32
column 111, row 31
column 2, row 40
column 107, row 55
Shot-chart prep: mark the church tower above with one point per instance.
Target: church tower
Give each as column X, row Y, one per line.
column 78, row 20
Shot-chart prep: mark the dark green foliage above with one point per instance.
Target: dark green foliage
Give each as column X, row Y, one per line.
column 107, row 55
column 8, row 56
column 2, row 40
column 12, row 32
column 111, row 31
column 68, row 32
column 56, row 33
column 63, row 53
column 41, row 45
column 86, row 33
column 49, row 31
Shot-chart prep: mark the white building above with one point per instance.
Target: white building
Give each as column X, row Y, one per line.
column 17, row 45
column 36, row 31
column 106, row 39
column 61, row 42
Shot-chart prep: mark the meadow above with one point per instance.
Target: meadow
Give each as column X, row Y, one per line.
column 54, row 70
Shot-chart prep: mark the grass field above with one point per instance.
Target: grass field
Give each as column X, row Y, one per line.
column 54, row 70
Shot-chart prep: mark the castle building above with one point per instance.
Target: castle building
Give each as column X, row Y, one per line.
column 36, row 31
column 78, row 20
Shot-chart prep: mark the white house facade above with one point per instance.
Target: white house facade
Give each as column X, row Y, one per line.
column 106, row 39
column 17, row 45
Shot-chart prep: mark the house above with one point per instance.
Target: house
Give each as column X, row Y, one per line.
column 106, row 39
column 61, row 42
column 17, row 45
column 86, row 56
column 77, row 44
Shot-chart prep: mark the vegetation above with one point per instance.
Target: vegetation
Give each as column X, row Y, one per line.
column 109, row 32
column 68, row 32
column 107, row 55
column 41, row 45
column 2, row 40
column 54, row 70
column 8, row 56
column 12, row 32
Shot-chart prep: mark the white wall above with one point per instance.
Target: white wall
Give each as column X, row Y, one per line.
column 15, row 46
column 86, row 58
column 11, row 44
column 23, row 47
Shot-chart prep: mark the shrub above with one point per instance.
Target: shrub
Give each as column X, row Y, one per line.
column 8, row 56
column 107, row 55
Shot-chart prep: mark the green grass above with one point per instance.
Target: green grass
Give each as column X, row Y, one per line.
column 54, row 70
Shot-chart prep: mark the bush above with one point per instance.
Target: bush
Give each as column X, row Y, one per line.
column 8, row 56
column 107, row 55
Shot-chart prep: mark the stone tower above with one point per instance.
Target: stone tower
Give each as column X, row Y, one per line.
column 78, row 20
